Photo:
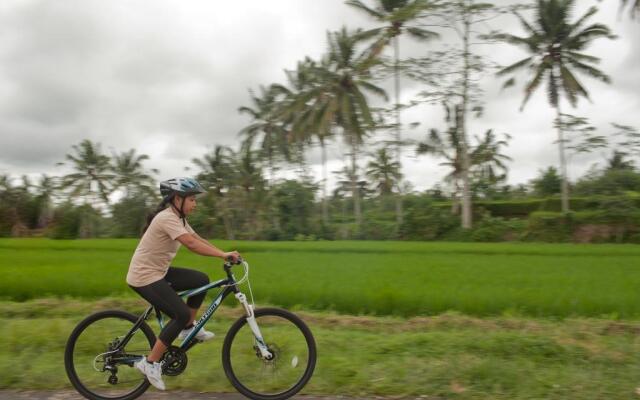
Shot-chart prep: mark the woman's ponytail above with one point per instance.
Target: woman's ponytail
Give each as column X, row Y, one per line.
column 161, row 206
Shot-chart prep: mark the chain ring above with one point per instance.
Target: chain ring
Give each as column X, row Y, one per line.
column 175, row 361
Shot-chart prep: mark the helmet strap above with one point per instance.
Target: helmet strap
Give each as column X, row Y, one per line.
column 184, row 220
column 180, row 211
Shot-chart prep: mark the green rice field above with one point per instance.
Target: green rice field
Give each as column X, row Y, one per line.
column 361, row 278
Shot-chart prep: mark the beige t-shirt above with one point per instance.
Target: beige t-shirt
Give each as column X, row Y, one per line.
column 156, row 249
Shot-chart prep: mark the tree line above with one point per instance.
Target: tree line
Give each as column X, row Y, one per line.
column 331, row 100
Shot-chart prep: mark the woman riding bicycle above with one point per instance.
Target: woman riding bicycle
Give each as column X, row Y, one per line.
column 152, row 277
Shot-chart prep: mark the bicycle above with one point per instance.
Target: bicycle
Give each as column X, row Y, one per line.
column 267, row 354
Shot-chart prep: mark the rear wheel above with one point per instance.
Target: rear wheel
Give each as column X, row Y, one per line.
column 290, row 342
column 95, row 368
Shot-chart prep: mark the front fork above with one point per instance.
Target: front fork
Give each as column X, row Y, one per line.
column 251, row 320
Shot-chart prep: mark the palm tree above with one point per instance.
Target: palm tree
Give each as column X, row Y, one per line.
column 251, row 182
column 130, row 175
column 396, row 15
column 217, row 175
column 269, row 131
column 92, row 177
column 485, row 158
column 447, row 145
column 384, row 171
column 216, row 170
column 337, row 95
column 266, row 128
column 555, row 48
column 488, row 164
column 46, row 190
column 307, row 121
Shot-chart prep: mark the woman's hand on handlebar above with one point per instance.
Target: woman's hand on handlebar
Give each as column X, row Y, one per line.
column 232, row 256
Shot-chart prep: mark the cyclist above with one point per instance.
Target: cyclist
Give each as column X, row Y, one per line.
column 152, row 277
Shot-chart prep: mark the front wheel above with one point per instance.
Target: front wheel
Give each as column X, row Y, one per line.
column 290, row 342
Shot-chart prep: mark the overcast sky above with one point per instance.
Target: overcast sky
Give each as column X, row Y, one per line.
column 167, row 77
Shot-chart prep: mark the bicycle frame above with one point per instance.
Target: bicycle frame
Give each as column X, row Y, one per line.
column 228, row 286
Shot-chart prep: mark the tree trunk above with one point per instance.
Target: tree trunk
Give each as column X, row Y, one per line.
column 226, row 217
column 354, row 185
column 466, row 164
column 325, row 208
column 272, row 207
column 396, row 49
column 455, row 202
column 563, row 163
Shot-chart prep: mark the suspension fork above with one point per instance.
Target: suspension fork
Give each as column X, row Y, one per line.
column 251, row 320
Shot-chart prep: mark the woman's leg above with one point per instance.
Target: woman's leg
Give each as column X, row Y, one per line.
column 184, row 279
column 161, row 295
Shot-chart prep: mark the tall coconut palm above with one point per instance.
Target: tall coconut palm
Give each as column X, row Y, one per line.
column 555, row 48
column 397, row 15
column 268, row 131
column 310, row 121
column 130, row 175
column 92, row 177
column 338, row 95
column 265, row 128
column 384, row 172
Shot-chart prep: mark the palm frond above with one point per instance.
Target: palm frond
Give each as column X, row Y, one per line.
column 515, row 66
column 362, row 7
column 422, row 34
column 534, row 83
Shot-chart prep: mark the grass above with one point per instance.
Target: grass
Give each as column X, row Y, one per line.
column 371, row 278
column 448, row 356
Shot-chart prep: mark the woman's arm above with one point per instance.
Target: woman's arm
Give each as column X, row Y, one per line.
column 200, row 246
column 201, row 239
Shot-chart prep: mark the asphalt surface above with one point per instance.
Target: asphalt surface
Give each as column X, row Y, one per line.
column 149, row 395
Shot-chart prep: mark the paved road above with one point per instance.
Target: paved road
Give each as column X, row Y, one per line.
column 150, row 395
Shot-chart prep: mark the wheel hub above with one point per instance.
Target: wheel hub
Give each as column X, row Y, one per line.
column 273, row 349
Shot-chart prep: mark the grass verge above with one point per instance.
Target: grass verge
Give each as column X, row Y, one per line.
column 446, row 356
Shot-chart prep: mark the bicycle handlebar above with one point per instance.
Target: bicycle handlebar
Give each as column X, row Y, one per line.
column 229, row 261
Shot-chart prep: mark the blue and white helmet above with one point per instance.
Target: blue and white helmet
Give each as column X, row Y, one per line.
column 181, row 187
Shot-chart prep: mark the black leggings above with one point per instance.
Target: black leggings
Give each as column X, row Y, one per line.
column 162, row 294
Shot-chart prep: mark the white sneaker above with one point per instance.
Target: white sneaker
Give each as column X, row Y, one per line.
column 202, row 335
column 153, row 372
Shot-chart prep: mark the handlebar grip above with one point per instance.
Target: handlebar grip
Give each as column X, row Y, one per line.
column 230, row 260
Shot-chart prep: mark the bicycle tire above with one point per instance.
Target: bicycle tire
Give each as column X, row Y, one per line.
column 311, row 360
column 70, row 347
